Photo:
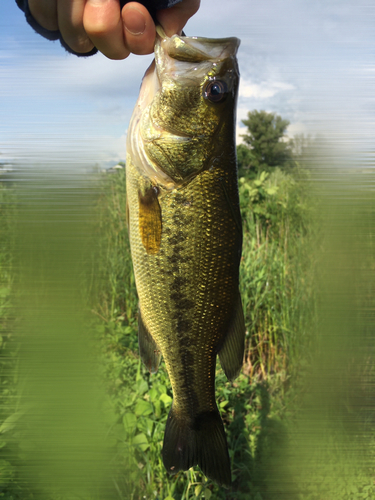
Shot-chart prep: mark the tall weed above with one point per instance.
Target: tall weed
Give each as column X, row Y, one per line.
column 276, row 273
column 112, row 278
column 9, row 398
column 275, row 216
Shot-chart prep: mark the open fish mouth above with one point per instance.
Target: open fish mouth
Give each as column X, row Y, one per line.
column 195, row 49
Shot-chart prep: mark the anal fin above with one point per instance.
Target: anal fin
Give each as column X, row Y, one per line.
column 232, row 351
column 148, row 349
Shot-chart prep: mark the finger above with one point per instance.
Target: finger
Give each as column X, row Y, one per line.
column 45, row 13
column 103, row 24
column 70, row 19
column 139, row 28
column 174, row 19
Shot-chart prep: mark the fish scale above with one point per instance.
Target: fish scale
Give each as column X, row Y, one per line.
column 185, row 236
column 212, row 269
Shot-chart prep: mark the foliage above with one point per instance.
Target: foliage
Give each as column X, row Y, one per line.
column 9, row 399
column 277, row 287
column 245, row 158
column 264, row 418
column 266, row 142
column 143, row 405
column 276, row 271
column 112, row 280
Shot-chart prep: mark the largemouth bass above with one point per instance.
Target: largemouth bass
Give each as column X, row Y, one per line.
column 185, row 235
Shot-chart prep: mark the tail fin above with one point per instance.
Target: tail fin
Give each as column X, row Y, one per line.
column 201, row 442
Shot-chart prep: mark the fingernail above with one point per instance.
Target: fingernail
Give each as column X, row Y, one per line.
column 134, row 21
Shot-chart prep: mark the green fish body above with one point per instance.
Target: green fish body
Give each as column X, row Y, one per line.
column 185, row 234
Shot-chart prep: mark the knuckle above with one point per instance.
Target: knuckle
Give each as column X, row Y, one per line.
column 80, row 44
column 44, row 14
column 99, row 26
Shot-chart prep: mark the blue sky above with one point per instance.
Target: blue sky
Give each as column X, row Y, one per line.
column 312, row 62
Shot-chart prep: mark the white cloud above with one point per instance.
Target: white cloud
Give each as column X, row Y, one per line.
column 310, row 62
column 263, row 90
column 67, row 75
column 297, row 128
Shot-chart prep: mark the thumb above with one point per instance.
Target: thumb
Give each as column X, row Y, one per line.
column 174, row 19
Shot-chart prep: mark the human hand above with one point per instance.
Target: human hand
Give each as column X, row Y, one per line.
column 85, row 24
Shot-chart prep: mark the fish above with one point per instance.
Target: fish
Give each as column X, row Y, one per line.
column 185, row 233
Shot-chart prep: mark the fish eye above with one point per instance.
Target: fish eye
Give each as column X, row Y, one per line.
column 215, row 91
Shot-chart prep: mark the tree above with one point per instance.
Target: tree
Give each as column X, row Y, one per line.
column 266, row 143
column 244, row 160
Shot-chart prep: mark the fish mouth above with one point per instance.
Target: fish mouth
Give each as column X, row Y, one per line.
column 196, row 49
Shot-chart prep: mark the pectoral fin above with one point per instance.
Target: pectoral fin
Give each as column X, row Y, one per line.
column 148, row 349
column 232, row 352
column 150, row 219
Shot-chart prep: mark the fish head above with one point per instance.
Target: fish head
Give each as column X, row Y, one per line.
column 186, row 108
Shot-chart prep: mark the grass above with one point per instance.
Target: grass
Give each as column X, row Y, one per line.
column 294, row 418
column 266, row 272
column 280, row 293
column 9, row 399
column 276, row 273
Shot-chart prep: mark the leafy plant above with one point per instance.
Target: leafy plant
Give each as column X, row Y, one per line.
column 268, row 411
column 266, row 142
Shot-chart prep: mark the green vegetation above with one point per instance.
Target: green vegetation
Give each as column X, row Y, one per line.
column 265, row 411
column 297, row 418
column 9, row 400
column 277, row 271
column 265, row 146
